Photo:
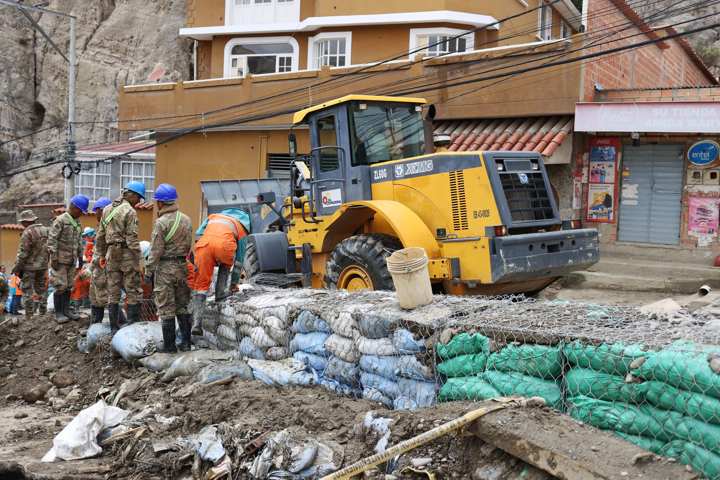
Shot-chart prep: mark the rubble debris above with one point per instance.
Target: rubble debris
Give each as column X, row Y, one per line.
column 294, row 454
column 78, row 439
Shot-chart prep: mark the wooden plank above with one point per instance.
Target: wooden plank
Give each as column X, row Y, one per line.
column 569, row 450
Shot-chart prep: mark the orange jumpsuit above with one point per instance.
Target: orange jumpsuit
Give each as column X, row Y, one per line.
column 217, row 246
column 81, row 287
column 89, row 248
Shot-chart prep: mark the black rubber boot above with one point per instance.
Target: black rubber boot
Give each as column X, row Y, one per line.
column 58, row 301
column 133, row 313
column 185, row 323
column 221, row 283
column 69, row 313
column 97, row 314
column 29, row 309
column 198, row 310
column 114, row 313
column 168, row 331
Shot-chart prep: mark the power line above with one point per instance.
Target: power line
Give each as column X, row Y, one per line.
column 15, row 139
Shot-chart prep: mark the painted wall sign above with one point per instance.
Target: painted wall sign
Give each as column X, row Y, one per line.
column 703, row 219
column 604, row 160
column 704, row 153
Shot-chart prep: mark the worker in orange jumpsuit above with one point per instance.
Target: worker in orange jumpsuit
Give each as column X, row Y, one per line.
column 222, row 244
column 81, row 284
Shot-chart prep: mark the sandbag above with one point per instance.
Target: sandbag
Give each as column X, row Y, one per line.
column 316, row 362
column 246, row 319
column 158, row 362
column 678, row 426
column 513, row 383
column 695, row 405
column 375, row 326
column 467, row 388
column 649, row 444
column 276, row 353
column 422, row 393
column 283, row 372
column 602, row 386
column 96, row 333
column 138, row 340
column 220, row 371
column 463, row 365
column 276, row 329
column 376, row 347
column 190, row 363
column 340, row 388
column 404, row 403
column 249, row 350
column 375, row 395
column 616, row 416
column 614, row 358
column 383, row 366
column 227, row 333
column 280, row 312
column 308, row 322
column 405, row 343
column 209, row 323
column 388, row 388
column 344, row 324
column 310, row 343
column 342, row 347
column 685, row 370
column 462, row 344
column 342, row 371
column 261, row 339
column 534, row 360
column 700, row 459
column 408, row 366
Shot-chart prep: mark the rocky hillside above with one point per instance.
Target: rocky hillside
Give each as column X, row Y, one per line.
column 118, row 42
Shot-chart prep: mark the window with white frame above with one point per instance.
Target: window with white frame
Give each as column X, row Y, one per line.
column 94, row 182
column 435, row 42
column 262, row 12
column 545, row 23
column 138, row 171
column 259, row 56
column 330, row 50
column 565, row 30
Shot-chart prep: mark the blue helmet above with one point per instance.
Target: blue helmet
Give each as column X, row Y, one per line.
column 165, row 193
column 101, row 203
column 80, row 201
column 136, row 187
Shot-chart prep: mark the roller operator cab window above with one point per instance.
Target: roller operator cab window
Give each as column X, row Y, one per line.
column 385, row 131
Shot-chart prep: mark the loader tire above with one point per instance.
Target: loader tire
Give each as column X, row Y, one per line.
column 358, row 263
column 251, row 264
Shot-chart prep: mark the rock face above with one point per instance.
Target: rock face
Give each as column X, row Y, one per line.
column 119, row 42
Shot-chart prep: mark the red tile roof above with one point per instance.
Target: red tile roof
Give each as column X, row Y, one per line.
column 534, row 134
column 11, row 226
column 139, row 206
column 118, row 148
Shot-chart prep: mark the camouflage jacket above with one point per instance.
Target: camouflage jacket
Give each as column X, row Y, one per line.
column 65, row 240
column 4, row 289
column 118, row 226
column 172, row 236
column 33, row 252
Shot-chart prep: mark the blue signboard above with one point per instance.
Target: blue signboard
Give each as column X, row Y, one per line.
column 704, row 153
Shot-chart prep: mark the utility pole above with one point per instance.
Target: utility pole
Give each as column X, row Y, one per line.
column 72, row 65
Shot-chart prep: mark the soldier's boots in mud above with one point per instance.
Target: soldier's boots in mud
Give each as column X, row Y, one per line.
column 185, row 324
column 59, row 303
column 67, row 309
column 133, row 313
column 114, row 314
column 198, row 309
column 97, row 314
column 168, row 332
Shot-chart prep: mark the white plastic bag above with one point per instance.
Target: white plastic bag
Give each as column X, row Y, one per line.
column 79, row 438
column 95, row 334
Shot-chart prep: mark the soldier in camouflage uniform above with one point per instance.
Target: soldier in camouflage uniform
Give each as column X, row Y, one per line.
column 117, row 242
column 98, row 281
column 169, row 248
column 4, row 291
column 65, row 249
column 31, row 263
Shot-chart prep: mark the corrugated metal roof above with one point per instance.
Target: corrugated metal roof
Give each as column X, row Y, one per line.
column 119, row 148
column 11, row 226
column 529, row 134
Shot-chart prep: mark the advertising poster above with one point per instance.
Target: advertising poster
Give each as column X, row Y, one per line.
column 601, row 203
column 604, row 159
column 703, row 216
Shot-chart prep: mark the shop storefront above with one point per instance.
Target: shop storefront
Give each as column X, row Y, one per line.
column 650, row 172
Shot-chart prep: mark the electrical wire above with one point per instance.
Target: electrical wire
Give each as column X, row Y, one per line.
column 15, row 139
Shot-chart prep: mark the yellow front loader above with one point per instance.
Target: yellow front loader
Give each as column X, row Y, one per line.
column 371, row 184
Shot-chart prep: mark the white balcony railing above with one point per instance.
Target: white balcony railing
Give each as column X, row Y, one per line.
column 262, row 12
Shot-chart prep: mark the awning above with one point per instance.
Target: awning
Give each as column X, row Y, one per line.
column 648, row 117
column 529, row 134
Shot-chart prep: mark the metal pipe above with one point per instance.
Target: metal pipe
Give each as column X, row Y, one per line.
column 71, row 105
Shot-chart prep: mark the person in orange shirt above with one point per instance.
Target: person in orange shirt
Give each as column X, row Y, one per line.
column 222, row 244
column 89, row 239
column 16, row 294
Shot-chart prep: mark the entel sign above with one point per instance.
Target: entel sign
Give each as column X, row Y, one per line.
column 703, row 153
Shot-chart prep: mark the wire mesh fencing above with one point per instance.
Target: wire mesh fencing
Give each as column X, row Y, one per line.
column 652, row 380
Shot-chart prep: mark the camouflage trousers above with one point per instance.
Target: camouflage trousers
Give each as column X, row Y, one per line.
column 63, row 278
column 99, row 287
column 172, row 293
column 34, row 282
column 123, row 274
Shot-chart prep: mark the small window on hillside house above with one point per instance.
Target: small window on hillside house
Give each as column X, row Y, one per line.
column 565, row 30
column 256, row 59
column 435, row 42
column 331, row 52
column 545, row 26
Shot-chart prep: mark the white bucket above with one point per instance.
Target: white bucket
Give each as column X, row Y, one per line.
column 409, row 270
